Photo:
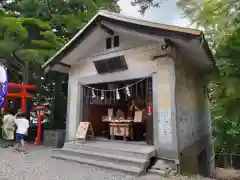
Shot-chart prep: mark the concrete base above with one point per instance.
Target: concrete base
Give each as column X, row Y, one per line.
column 125, row 157
column 54, row 138
column 164, row 168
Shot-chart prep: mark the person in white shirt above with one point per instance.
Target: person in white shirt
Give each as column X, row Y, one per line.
column 8, row 128
column 22, row 128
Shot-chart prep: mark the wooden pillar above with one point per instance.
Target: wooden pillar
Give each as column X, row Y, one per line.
column 149, row 122
column 23, row 101
column 23, row 104
column 74, row 109
column 58, row 110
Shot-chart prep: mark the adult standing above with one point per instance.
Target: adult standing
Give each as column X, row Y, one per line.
column 8, row 129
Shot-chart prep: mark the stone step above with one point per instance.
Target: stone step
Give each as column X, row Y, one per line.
column 126, row 157
column 163, row 172
column 101, row 156
column 114, row 145
column 105, row 164
column 128, row 153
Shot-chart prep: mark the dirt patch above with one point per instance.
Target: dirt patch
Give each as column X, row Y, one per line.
column 227, row 174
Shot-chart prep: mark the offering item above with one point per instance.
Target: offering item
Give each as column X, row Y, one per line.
column 121, row 129
column 120, row 114
column 110, row 114
column 138, row 116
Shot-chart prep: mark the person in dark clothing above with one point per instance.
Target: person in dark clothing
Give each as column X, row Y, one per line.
column 138, row 127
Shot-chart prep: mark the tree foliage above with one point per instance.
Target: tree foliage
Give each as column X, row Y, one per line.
column 219, row 19
column 65, row 16
column 216, row 17
column 33, row 30
column 25, row 41
column 145, row 4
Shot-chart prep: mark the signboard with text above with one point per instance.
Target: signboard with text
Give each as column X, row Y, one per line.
column 84, row 131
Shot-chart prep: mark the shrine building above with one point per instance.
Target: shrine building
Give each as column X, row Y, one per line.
column 142, row 88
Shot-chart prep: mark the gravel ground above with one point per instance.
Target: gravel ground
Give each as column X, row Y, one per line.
column 39, row 165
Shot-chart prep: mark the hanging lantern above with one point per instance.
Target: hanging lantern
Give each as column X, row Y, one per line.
column 102, row 95
column 117, row 95
column 128, row 91
column 93, row 94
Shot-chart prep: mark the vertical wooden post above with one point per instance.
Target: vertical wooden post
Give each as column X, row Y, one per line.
column 23, row 100
column 149, row 123
column 39, row 128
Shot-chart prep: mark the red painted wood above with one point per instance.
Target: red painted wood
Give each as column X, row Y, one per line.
column 39, row 128
column 40, row 108
column 21, row 86
column 19, row 95
column 40, row 117
column 23, row 94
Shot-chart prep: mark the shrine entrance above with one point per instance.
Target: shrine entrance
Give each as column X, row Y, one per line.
column 120, row 111
column 18, row 91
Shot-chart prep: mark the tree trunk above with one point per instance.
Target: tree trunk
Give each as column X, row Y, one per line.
column 25, row 81
column 227, row 161
column 230, row 160
column 226, row 164
column 25, row 73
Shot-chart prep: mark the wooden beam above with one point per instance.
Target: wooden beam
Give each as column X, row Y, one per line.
column 47, row 69
column 60, row 68
column 65, row 65
column 20, row 95
column 106, row 29
column 21, row 86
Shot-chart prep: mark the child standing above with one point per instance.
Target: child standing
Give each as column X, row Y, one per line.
column 22, row 127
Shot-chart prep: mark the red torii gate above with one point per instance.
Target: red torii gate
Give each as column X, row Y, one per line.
column 12, row 94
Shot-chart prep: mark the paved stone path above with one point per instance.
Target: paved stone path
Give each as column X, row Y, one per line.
column 39, row 165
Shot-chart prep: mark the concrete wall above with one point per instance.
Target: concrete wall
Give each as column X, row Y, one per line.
column 140, row 64
column 139, row 61
column 166, row 111
column 138, row 55
column 193, row 115
column 126, row 41
column 136, row 59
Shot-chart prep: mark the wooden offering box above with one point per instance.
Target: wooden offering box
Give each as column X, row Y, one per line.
column 120, row 129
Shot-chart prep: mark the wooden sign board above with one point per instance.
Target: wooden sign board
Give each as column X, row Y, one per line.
column 110, row 112
column 84, row 131
column 138, row 116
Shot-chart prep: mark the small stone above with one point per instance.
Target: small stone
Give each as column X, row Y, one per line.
column 172, row 173
column 159, row 172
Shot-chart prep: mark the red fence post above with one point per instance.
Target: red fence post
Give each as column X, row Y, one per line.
column 40, row 117
column 39, row 128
